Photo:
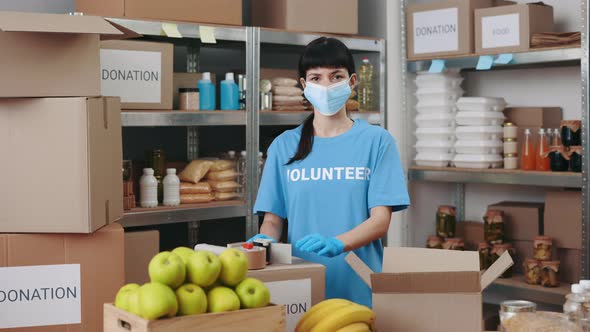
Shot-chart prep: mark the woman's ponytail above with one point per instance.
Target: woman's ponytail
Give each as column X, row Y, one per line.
column 305, row 142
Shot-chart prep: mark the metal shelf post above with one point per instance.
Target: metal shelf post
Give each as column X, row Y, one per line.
column 585, row 143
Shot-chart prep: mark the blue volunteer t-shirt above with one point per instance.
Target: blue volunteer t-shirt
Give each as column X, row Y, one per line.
column 331, row 192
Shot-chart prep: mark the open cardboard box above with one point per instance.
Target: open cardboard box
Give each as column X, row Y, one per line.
column 441, row 287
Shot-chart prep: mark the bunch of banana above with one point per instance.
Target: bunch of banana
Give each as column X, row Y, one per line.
column 337, row 315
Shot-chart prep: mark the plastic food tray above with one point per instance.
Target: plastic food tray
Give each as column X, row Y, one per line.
column 479, row 118
column 440, row 133
column 434, row 147
column 435, row 120
column 479, row 133
column 438, row 81
column 436, row 109
column 433, row 96
column 479, row 161
column 433, row 159
column 479, row 147
column 481, row 104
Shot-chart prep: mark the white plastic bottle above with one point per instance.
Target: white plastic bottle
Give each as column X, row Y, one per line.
column 171, row 188
column 148, row 186
column 573, row 304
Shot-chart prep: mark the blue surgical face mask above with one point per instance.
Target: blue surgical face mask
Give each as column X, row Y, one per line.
column 328, row 100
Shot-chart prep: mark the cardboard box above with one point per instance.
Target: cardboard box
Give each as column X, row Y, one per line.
column 442, row 28
column 140, row 248
column 50, row 55
column 138, row 72
column 508, row 29
column 533, row 118
column 70, row 275
column 267, row 319
column 298, row 286
column 472, row 233
column 62, row 164
column 438, row 283
column 524, row 250
column 202, row 11
column 307, row 15
column 570, row 267
column 185, row 80
column 270, row 73
column 563, row 218
column 523, row 221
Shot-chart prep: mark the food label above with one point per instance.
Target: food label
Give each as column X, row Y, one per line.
column 295, row 295
column 500, row 31
column 40, row 295
column 135, row 76
column 436, row 31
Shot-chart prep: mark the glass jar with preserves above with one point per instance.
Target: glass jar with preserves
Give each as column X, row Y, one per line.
column 434, row 242
column 509, row 309
column 550, row 274
column 494, row 226
column 571, row 135
column 558, row 159
column 532, row 271
column 484, row 255
column 510, row 131
column 446, row 221
column 454, row 244
column 497, row 251
column 575, row 155
column 543, row 246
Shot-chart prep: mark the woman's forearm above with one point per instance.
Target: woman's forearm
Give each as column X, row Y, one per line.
column 370, row 230
column 272, row 226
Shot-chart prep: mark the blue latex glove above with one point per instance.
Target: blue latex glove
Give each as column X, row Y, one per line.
column 322, row 246
column 262, row 236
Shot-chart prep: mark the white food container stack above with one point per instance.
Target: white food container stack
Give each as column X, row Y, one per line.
column 479, row 132
column 435, row 120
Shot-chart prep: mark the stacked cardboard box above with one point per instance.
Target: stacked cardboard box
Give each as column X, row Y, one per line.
column 61, row 255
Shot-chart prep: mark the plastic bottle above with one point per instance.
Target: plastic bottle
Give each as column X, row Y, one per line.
column 207, row 93
column 171, row 188
column 365, row 90
column 556, row 138
column 148, row 185
column 230, row 93
column 542, row 162
column 573, row 304
column 528, row 152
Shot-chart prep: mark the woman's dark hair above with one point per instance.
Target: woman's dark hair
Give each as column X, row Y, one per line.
column 322, row 52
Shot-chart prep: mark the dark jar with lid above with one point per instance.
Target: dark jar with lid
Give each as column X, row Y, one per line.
column 575, row 155
column 494, row 226
column 571, row 135
column 550, row 274
column 454, row 244
column 485, row 258
column 558, row 158
column 446, row 221
column 497, row 251
column 434, row 242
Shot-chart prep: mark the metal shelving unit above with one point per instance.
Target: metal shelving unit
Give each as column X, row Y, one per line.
column 183, row 119
column 541, row 58
column 278, row 118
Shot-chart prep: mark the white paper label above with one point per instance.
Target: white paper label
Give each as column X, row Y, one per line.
column 40, row 295
column 500, row 31
column 436, row 31
column 295, row 295
column 135, row 76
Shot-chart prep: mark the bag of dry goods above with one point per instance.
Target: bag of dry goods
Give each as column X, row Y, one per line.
column 283, row 81
column 287, row 91
column 224, row 186
column 195, row 188
column 196, row 198
column 226, row 196
column 287, row 98
column 227, row 175
column 222, row 165
column 195, row 171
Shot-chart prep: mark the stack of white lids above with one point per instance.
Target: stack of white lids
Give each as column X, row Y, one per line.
column 437, row 95
column 479, row 132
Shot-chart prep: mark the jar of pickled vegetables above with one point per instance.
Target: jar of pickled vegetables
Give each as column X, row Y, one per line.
column 571, row 135
column 494, row 226
column 543, row 246
column 575, row 155
column 484, row 255
column 532, row 271
column 497, row 251
column 434, row 242
column 559, row 159
column 446, row 221
column 454, row 244
column 550, row 274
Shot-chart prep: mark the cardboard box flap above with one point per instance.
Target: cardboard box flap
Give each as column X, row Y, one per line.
column 358, row 266
column 426, row 283
column 126, row 33
column 403, row 260
column 56, row 23
column 496, row 270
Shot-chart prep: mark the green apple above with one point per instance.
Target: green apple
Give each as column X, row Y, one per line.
column 222, row 299
column 192, row 300
column 122, row 298
column 253, row 293
column 184, row 253
column 133, row 302
column 234, row 267
column 156, row 301
column 203, row 268
column 167, row 268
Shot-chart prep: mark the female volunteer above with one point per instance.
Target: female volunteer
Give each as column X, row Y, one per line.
column 335, row 180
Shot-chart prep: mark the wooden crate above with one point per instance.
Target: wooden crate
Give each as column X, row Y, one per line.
column 268, row 319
